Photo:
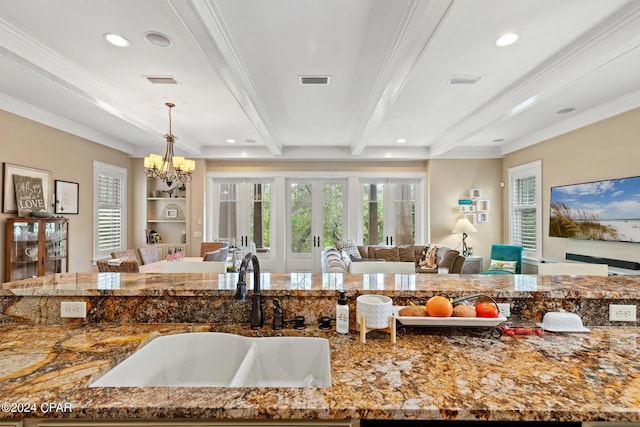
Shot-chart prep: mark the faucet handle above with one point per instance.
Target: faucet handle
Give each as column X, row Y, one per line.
column 298, row 323
column 325, row 322
column 278, row 315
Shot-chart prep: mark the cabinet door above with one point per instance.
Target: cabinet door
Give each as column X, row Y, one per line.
column 22, row 249
column 54, row 256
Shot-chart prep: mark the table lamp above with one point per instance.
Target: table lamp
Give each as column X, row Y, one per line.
column 464, row 226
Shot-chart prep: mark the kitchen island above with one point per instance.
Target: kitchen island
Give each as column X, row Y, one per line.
column 429, row 374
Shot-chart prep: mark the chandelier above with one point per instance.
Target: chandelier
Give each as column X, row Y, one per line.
column 169, row 168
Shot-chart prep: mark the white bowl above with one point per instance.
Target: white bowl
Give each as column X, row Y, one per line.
column 377, row 310
column 561, row 321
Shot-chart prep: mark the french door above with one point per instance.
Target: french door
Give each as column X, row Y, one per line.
column 316, row 219
column 242, row 215
column 388, row 213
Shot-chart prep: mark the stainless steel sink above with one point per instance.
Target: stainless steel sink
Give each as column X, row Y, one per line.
column 211, row 359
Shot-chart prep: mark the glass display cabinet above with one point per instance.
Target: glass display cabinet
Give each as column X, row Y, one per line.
column 36, row 247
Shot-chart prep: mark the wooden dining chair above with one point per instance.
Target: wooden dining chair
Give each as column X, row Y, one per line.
column 210, row 247
column 128, row 254
column 126, row 266
column 148, row 255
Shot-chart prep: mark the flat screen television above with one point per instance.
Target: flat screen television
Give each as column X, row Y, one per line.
column 599, row 210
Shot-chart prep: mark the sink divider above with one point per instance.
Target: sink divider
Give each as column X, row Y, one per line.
column 243, row 371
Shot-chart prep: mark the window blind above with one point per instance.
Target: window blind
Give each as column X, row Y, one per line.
column 110, row 213
column 524, row 226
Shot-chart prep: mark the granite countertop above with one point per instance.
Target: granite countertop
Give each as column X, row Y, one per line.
column 458, row 374
column 429, row 374
column 303, row 284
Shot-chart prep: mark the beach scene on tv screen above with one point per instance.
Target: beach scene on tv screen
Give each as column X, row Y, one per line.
column 601, row 210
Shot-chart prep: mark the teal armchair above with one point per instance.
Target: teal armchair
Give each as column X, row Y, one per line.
column 508, row 253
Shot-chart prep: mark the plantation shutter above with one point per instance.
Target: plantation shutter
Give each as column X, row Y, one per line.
column 524, row 203
column 109, row 209
column 525, row 223
column 110, row 227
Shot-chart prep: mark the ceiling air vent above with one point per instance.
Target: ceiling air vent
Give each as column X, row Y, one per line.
column 314, row 80
column 463, row 80
column 162, row 80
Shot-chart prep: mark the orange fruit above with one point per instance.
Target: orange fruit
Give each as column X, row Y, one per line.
column 439, row 306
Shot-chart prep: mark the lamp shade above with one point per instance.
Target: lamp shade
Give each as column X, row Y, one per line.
column 463, row 226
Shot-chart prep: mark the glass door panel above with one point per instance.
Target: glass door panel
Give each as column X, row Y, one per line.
column 389, row 216
column 260, row 216
column 373, row 213
column 332, row 214
column 228, row 213
column 300, row 219
column 405, row 215
column 316, row 219
column 244, row 218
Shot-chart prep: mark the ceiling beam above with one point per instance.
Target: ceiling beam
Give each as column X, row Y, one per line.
column 415, row 31
column 204, row 21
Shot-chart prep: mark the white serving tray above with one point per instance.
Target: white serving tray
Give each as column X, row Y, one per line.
column 447, row 321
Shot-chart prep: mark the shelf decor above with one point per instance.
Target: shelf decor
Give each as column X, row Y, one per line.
column 173, row 212
column 66, row 197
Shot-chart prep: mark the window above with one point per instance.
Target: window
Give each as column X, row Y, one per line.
column 110, row 209
column 525, row 208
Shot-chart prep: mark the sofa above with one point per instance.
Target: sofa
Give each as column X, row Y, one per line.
column 339, row 258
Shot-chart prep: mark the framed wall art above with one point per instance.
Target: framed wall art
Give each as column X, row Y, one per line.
column 9, row 204
column 66, row 197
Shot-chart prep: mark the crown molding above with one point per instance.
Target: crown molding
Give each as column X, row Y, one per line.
column 47, row 118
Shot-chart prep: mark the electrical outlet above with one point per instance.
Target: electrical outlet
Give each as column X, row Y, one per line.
column 505, row 309
column 73, row 309
column 622, row 313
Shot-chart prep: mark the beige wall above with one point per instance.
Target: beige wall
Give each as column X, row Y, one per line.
column 68, row 158
column 450, row 180
column 604, row 150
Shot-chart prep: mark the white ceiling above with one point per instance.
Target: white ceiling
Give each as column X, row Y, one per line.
column 238, row 62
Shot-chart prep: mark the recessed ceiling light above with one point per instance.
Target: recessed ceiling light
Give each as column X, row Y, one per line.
column 498, row 140
column 116, row 40
column 401, row 141
column 231, row 141
column 157, row 39
column 507, row 39
column 566, row 110
column 250, row 141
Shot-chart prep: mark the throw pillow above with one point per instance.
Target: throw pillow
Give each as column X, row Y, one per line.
column 407, row 253
column 350, row 247
column 346, row 259
column 388, row 254
column 428, row 259
column 506, row 266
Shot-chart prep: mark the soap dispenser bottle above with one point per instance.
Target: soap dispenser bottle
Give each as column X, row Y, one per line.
column 342, row 314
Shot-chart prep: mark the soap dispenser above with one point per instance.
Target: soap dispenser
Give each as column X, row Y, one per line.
column 342, row 314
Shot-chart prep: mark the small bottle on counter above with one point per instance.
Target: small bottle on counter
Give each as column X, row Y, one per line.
column 342, row 314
